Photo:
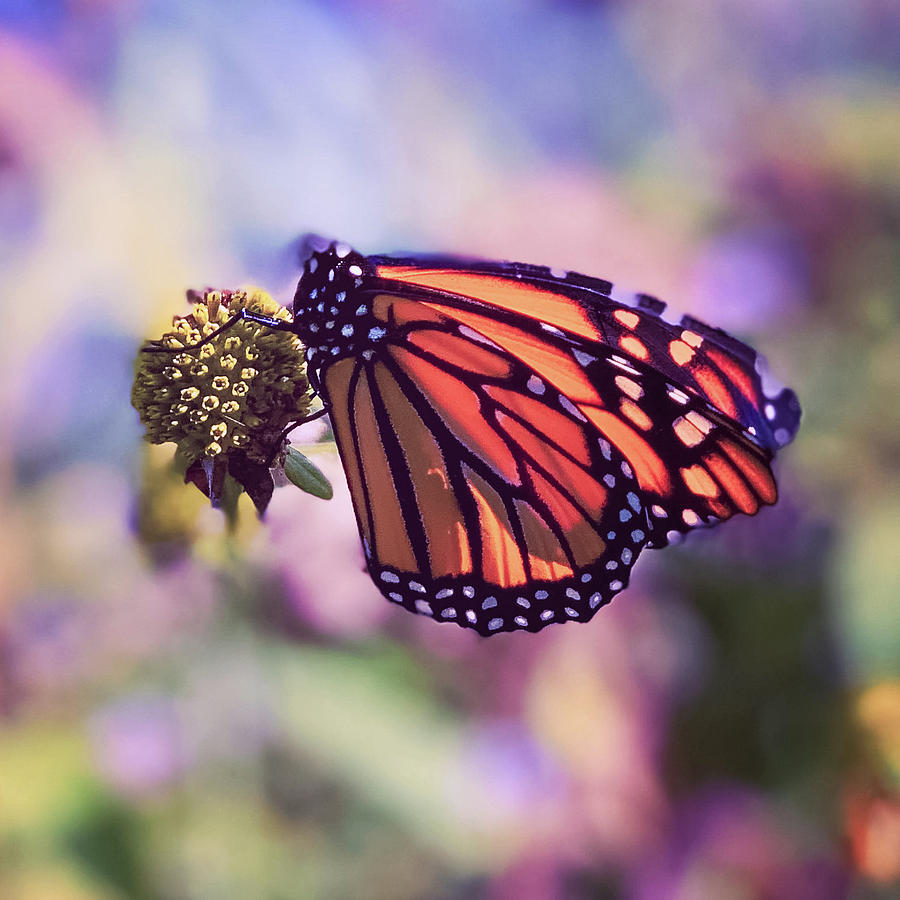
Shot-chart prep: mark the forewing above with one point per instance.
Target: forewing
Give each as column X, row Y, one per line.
column 693, row 464
column 705, row 361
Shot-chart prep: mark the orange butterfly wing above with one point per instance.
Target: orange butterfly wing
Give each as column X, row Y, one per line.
column 479, row 500
column 513, row 438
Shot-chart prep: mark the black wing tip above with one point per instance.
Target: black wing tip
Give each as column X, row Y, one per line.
column 785, row 421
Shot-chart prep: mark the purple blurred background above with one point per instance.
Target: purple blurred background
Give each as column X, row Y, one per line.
column 193, row 714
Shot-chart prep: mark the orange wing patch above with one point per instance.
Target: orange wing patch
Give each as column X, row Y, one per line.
column 448, row 545
column 715, row 390
column 649, row 469
column 337, row 386
column 681, row 352
column 461, row 411
column 698, row 481
column 460, row 352
column 546, row 558
column 734, row 485
column 391, row 540
column 516, row 296
column 626, row 317
column 632, row 411
column 581, row 536
column 559, row 428
column 501, row 560
column 734, row 373
column 757, row 474
column 397, row 310
column 554, row 365
column 559, row 467
column 634, row 347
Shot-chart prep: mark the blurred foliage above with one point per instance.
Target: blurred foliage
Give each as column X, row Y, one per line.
column 194, row 710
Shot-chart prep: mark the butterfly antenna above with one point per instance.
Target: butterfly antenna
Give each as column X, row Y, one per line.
column 242, row 315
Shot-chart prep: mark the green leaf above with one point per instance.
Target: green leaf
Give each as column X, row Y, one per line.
column 303, row 473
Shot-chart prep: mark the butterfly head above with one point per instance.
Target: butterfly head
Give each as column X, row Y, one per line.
column 329, row 317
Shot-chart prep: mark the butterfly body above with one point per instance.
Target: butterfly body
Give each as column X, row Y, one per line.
column 514, row 436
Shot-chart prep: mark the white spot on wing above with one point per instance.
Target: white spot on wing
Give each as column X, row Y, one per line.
column 699, row 421
column 535, row 385
column 623, row 364
column 474, row 335
column 571, row 408
column 629, row 387
column 771, row 386
column 584, row 359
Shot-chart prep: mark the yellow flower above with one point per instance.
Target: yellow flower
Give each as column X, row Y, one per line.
column 227, row 402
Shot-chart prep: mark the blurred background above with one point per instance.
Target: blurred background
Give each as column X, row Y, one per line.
column 189, row 714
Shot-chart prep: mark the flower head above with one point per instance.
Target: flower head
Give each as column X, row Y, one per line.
column 225, row 402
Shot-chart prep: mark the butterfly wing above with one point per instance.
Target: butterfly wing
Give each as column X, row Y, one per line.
column 700, row 359
column 695, row 463
column 479, row 500
column 513, row 437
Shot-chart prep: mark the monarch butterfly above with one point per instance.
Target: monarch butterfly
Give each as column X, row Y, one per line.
column 513, row 436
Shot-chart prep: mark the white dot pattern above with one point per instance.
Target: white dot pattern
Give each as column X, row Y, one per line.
column 334, row 319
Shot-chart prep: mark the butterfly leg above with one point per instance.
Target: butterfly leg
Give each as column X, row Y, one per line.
column 279, row 442
column 242, row 315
